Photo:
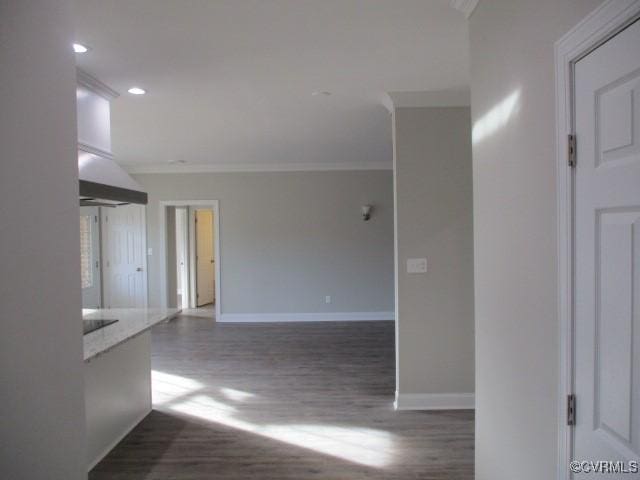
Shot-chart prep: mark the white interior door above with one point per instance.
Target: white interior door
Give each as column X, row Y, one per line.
column 205, row 261
column 182, row 256
column 125, row 278
column 90, row 257
column 607, row 249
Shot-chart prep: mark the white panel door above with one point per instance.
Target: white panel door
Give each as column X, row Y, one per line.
column 607, row 249
column 125, row 278
column 204, row 258
column 182, row 256
column 90, row 257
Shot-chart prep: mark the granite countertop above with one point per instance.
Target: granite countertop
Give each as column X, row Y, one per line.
column 131, row 322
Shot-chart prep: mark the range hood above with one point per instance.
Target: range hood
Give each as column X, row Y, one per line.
column 104, row 183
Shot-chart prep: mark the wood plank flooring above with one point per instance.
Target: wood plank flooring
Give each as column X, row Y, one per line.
column 284, row 401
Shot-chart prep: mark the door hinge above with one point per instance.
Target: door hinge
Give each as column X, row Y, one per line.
column 571, row 409
column 571, row 150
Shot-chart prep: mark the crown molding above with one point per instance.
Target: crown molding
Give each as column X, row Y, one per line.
column 95, row 151
column 96, row 86
column 432, row 98
column 253, row 167
column 465, row 6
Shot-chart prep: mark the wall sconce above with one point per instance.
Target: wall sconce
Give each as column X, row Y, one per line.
column 366, row 212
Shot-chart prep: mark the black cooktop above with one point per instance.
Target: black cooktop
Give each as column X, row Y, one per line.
column 89, row 326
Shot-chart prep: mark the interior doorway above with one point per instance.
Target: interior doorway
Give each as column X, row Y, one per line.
column 190, row 247
column 607, row 223
column 598, row 81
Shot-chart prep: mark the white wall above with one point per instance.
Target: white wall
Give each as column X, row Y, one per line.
column 434, row 211
column 94, row 119
column 288, row 239
column 41, row 394
column 515, row 234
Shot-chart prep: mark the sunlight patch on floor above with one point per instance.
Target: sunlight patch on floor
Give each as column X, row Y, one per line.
column 364, row 446
column 373, row 448
column 166, row 387
column 236, row 395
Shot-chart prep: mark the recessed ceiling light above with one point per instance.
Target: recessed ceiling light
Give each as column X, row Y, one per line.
column 79, row 48
column 325, row 93
column 137, row 91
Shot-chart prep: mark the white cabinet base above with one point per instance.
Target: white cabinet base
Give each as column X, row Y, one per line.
column 117, row 394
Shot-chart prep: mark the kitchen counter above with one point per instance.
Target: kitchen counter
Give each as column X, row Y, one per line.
column 131, row 322
column 117, row 374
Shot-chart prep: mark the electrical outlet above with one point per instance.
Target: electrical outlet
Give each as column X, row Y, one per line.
column 327, row 299
column 417, row 265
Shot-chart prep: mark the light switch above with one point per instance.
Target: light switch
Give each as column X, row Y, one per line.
column 417, row 265
column 149, row 251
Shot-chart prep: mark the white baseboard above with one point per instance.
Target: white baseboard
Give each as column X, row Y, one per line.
column 434, row 401
column 111, row 446
column 305, row 317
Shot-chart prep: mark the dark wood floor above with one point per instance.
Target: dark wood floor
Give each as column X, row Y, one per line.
column 284, row 401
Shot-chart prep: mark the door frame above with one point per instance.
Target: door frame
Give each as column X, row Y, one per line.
column 602, row 24
column 164, row 267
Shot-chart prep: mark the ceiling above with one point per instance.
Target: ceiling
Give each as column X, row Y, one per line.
column 230, row 82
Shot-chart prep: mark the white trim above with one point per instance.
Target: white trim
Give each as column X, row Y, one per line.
column 116, row 441
column 253, row 167
column 434, row 401
column 396, row 267
column 85, row 147
column 431, row 99
column 145, row 259
column 465, row 6
column 96, row 86
column 304, row 317
column 193, row 287
column 598, row 26
column 162, row 211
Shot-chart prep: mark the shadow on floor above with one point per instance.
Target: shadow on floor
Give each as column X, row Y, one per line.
column 142, row 449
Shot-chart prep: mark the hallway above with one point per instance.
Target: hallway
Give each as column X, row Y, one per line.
column 284, row 401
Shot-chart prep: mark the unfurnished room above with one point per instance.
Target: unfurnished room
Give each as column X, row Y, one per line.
column 320, row 239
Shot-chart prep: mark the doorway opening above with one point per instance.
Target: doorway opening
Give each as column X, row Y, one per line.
column 190, row 248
